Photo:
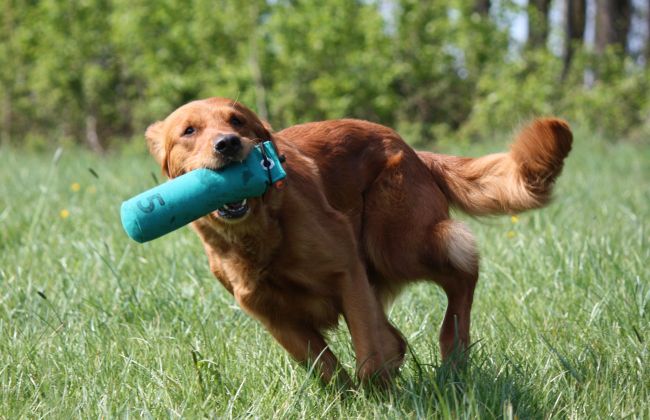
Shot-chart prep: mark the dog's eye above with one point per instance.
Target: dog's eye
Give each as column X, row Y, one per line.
column 189, row 131
column 236, row 122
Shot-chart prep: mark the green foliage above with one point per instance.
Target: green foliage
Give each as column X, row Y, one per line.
column 105, row 69
column 328, row 60
column 440, row 52
column 94, row 325
column 615, row 102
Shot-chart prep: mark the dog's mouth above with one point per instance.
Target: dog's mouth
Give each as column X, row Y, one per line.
column 217, row 165
column 234, row 211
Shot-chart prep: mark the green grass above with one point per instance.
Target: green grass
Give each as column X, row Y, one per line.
column 95, row 325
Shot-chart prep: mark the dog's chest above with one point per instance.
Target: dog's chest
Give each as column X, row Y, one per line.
column 282, row 277
column 282, row 294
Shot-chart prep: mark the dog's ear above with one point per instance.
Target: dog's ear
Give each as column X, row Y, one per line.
column 267, row 126
column 268, row 130
column 156, row 143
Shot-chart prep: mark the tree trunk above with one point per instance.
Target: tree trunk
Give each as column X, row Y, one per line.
column 482, row 7
column 575, row 19
column 612, row 24
column 256, row 70
column 260, row 89
column 6, row 119
column 91, row 135
column 647, row 35
column 7, row 29
column 538, row 22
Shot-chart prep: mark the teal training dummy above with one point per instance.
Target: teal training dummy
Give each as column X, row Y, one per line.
column 182, row 200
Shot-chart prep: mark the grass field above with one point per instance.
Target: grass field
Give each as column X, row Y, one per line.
column 94, row 325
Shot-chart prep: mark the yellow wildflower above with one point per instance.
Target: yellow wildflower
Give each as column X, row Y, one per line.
column 75, row 187
column 511, row 234
column 64, row 214
column 514, row 219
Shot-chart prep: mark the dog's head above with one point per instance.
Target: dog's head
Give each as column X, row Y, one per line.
column 209, row 133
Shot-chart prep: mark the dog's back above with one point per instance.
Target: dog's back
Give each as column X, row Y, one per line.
column 397, row 198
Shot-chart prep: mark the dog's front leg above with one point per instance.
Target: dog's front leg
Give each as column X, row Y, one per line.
column 308, row 347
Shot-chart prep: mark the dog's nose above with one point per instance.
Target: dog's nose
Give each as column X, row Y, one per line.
column 227, row 145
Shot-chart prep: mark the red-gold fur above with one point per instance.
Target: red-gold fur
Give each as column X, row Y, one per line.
column 361, row 216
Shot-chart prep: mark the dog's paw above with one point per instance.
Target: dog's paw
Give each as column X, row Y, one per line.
column 393, row 347
column 374, row 371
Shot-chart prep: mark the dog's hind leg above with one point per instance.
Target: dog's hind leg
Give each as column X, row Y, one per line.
column 458, row 274
column 454, row 333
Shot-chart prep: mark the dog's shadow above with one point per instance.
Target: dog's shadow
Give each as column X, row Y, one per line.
column 479, row 388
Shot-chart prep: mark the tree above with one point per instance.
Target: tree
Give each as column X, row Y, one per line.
column 427, row 81
column 575, row 18
column 6, row 54
column 538, row 22
column 329, row 60
column 76, row 80
column 442, row 51
column 175, row 51
column 612, row 24
column 647, row 38
column 482, row 7
column 16, row 58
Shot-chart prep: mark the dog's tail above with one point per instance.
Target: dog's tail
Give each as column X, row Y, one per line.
column 512, row 182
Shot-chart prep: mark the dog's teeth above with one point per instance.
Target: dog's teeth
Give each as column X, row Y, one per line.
column 235, row 206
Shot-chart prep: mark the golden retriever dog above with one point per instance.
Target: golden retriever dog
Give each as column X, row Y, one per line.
column 361, row 216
